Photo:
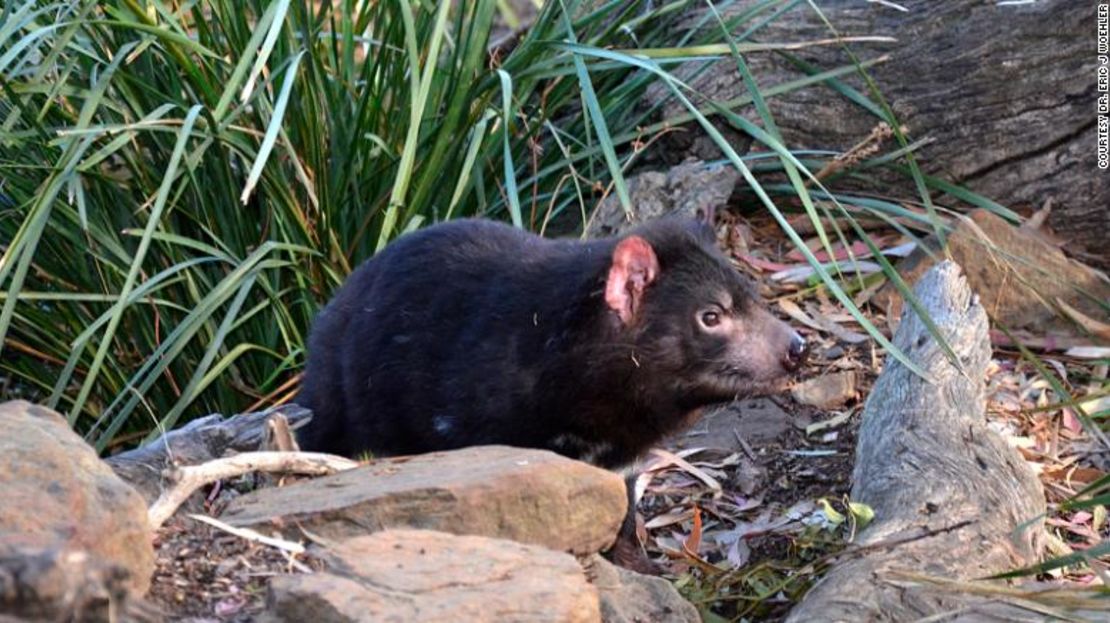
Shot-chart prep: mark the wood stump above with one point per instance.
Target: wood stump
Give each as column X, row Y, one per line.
column 928, row 464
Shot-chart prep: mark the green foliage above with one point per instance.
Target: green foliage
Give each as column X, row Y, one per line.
column 183, row 184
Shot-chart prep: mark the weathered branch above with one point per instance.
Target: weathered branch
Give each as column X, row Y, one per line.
column 926, row 459
column 199, row 441
column 188, row 478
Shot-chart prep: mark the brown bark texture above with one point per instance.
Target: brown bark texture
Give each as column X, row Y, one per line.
column 1006, row 94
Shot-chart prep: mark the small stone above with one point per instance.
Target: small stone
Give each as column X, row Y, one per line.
column 693, row 188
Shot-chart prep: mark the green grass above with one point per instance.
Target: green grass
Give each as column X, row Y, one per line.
column 182, row 185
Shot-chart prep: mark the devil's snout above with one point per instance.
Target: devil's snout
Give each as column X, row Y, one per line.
column 796, row 352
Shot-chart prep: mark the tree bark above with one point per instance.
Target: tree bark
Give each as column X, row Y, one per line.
column 1006, row 93
column 930, row 467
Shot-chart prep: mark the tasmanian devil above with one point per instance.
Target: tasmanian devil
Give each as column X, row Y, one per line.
column 472, row 332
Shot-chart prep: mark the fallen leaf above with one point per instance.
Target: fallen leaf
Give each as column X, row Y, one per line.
column 1088, row 352
column 738, row 553
column 791, row 308
column 802, row 272
column 833, row 422
column 827, row 324
column 831, row 514
column 859, row 250
column 1071, row 422
column 668, row 519
column 764, row 265
column 693, row 542
column 862, row 512
column 670, row 458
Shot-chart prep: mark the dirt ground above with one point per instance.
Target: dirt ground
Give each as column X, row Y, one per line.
column 204, row 574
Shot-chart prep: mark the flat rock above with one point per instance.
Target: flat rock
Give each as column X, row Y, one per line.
column 1017, row 275
column 529, row 496
column 693, row 188
column 630, row 597
column 58, row 496
column 423, row 575
column 828, row 391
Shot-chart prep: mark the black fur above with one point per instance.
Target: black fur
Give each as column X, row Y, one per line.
column 472, row 332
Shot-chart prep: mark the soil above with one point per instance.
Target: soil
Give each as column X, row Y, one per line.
column 203, row 574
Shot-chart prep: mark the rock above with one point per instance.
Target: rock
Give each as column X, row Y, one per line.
column 59, row 496
column 422, row 575
column 826, row 392
column 630, row 597
column 1017, row 280
column 693, row 188
column 529, row 496
column 50, row 585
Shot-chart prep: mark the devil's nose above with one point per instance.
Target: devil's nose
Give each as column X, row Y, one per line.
column 796, row 353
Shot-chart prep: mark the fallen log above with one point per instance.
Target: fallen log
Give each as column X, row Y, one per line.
column 202, row 440
column 1003, row 93
column 951, row 499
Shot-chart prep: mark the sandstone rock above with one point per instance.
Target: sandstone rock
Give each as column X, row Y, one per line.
column 58, row 495
column 693, row 188
column 529, row 496
column 630, row 597
column 828, row 391
column 51, row 585
column 1017, row 275
column 422, row 575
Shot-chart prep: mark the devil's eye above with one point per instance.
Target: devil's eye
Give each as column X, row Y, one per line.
column 710, row 318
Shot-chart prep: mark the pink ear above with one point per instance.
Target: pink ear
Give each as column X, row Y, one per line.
column 634, row 267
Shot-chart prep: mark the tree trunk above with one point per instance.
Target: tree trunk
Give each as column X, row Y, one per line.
column 1006, row 93
column 947, row 491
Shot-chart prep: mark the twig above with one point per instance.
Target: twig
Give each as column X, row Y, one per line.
column 859, row 550
column 188, row 478
column 251, row 535
column 278, row 435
